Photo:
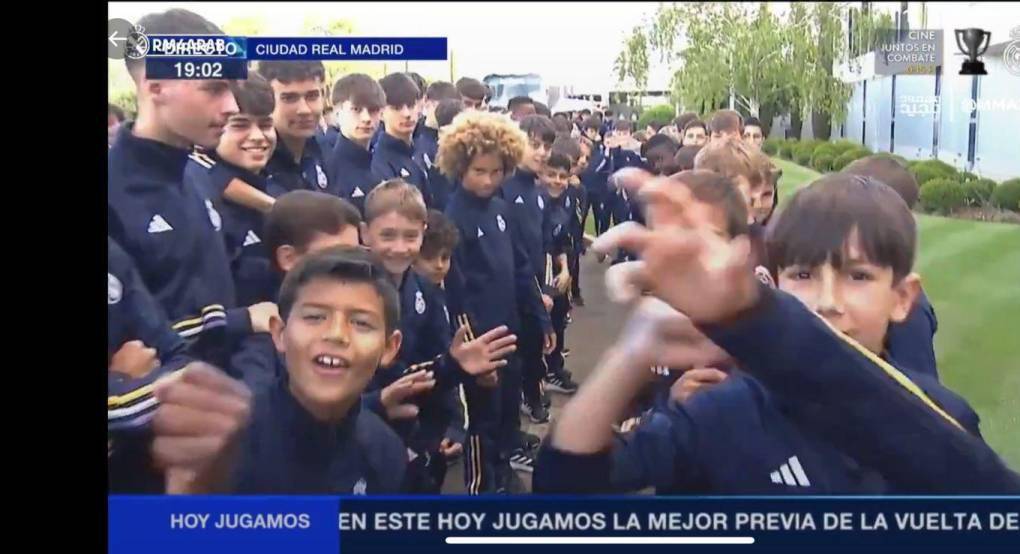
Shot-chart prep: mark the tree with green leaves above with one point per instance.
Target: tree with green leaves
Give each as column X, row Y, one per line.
column 632, row 61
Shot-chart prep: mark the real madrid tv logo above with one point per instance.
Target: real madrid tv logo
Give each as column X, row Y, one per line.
column 1011, row 55
column 137, row 45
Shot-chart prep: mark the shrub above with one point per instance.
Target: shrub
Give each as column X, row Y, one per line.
column 979, row 191
column 663, row 114
column 802, row 157
column 925, row 172
column 946, row 169
column 896, row 157
column 841, row 146
column 968, row 176
column 822, row 162
column 845, row 158
column 786, row 149
column 943, row 196
column 825, row 148
column 771, row 146
column 1007, row 195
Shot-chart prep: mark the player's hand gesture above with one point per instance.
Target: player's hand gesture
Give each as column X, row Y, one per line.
column 261, row 314
column 562, row 282
column 202, row 413
column 134, row 360
column 395, row 394
column 694, row 380
column 484, row 354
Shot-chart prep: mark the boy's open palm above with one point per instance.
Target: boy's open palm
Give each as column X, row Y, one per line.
column 484, row 354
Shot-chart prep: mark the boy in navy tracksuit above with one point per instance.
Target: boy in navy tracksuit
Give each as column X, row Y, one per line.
column 580, row 154
column 359, row 101
column 394, row 156
column 170, row 230
column 911, row 342
column 393, row 230
column 522, row 192
column 309, row 433
column 243, row 151
column 328, row 131
column 492, row 275
column 141, row 347
column 426, row 140
column 299, row 223
column 299, row 161
column 594, row 177
column 559, row 249
column 832, row 417
column 621, row 206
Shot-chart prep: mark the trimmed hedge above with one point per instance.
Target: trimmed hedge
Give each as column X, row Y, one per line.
column 803, row 157
column 925, row 172
column 786, row 149
column 822, row 163
column 663, row 113
column 979, row 191
column 845, row 158
column 968, row 176
column 943, row 196
column 1007, row 195
column 771, row 146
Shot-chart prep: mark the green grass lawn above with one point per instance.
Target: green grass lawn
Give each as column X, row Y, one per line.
column 971, row 273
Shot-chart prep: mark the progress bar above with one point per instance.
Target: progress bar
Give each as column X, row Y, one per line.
column 599, row 540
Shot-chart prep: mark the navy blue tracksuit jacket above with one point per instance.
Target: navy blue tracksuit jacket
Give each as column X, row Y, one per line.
column 349, row 168
column 529, row 207
column 173, row 232
column 815, row 413
column 287, row 451
column 309, row 173
column 426, row 149
column 242, row 227
column 393, row 158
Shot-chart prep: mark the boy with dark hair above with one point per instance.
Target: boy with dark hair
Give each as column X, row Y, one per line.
column 529, row 212
column 446, row 111
column 857, row 422
column 339, row 319
column 754, row 132
column 395, row 217
column 328, row 131
column 726, row 124
column 622, row 153
column 559, row 248
column 683, row 160
column 910, row 342
column 543, row 110
column 426, row 143
column 594, row 177
column 492, row 275
column 473, row 92
column 562, row 124
column 695, row 133
column 394, row 156
column 299, row 160
column 520, row 107
column 245, row 148
column 171, row 231
column 682, row 120
column 579, row 152
column 440, row 239
column 658, row 153
column 359, row 101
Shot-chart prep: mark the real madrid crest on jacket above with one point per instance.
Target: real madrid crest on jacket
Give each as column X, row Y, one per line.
column 490, row 272
column 394, row 158
column 528, row 205
column 242, row 226
column 173, row 233
column 287, row 174
column 287, row 451
column 349, row 169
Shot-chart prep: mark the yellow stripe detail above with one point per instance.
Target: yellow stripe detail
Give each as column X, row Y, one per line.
column 478, row 464
column 463, row 404
column 114, row 401
column 195, row 321
column 896, row 374
column 202, row 159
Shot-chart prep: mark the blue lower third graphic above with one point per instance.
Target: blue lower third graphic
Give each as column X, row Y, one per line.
column 221, row 524
column 253, row 524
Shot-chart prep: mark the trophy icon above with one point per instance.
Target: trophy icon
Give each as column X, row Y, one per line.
column 969, row 41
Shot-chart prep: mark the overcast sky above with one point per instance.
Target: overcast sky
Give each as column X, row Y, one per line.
column 565, row 42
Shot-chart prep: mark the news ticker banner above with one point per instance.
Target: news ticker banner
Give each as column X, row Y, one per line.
column 227, row 57
column 255, row 524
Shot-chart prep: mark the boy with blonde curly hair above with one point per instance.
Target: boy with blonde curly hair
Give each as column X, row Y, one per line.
column 492, row 276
